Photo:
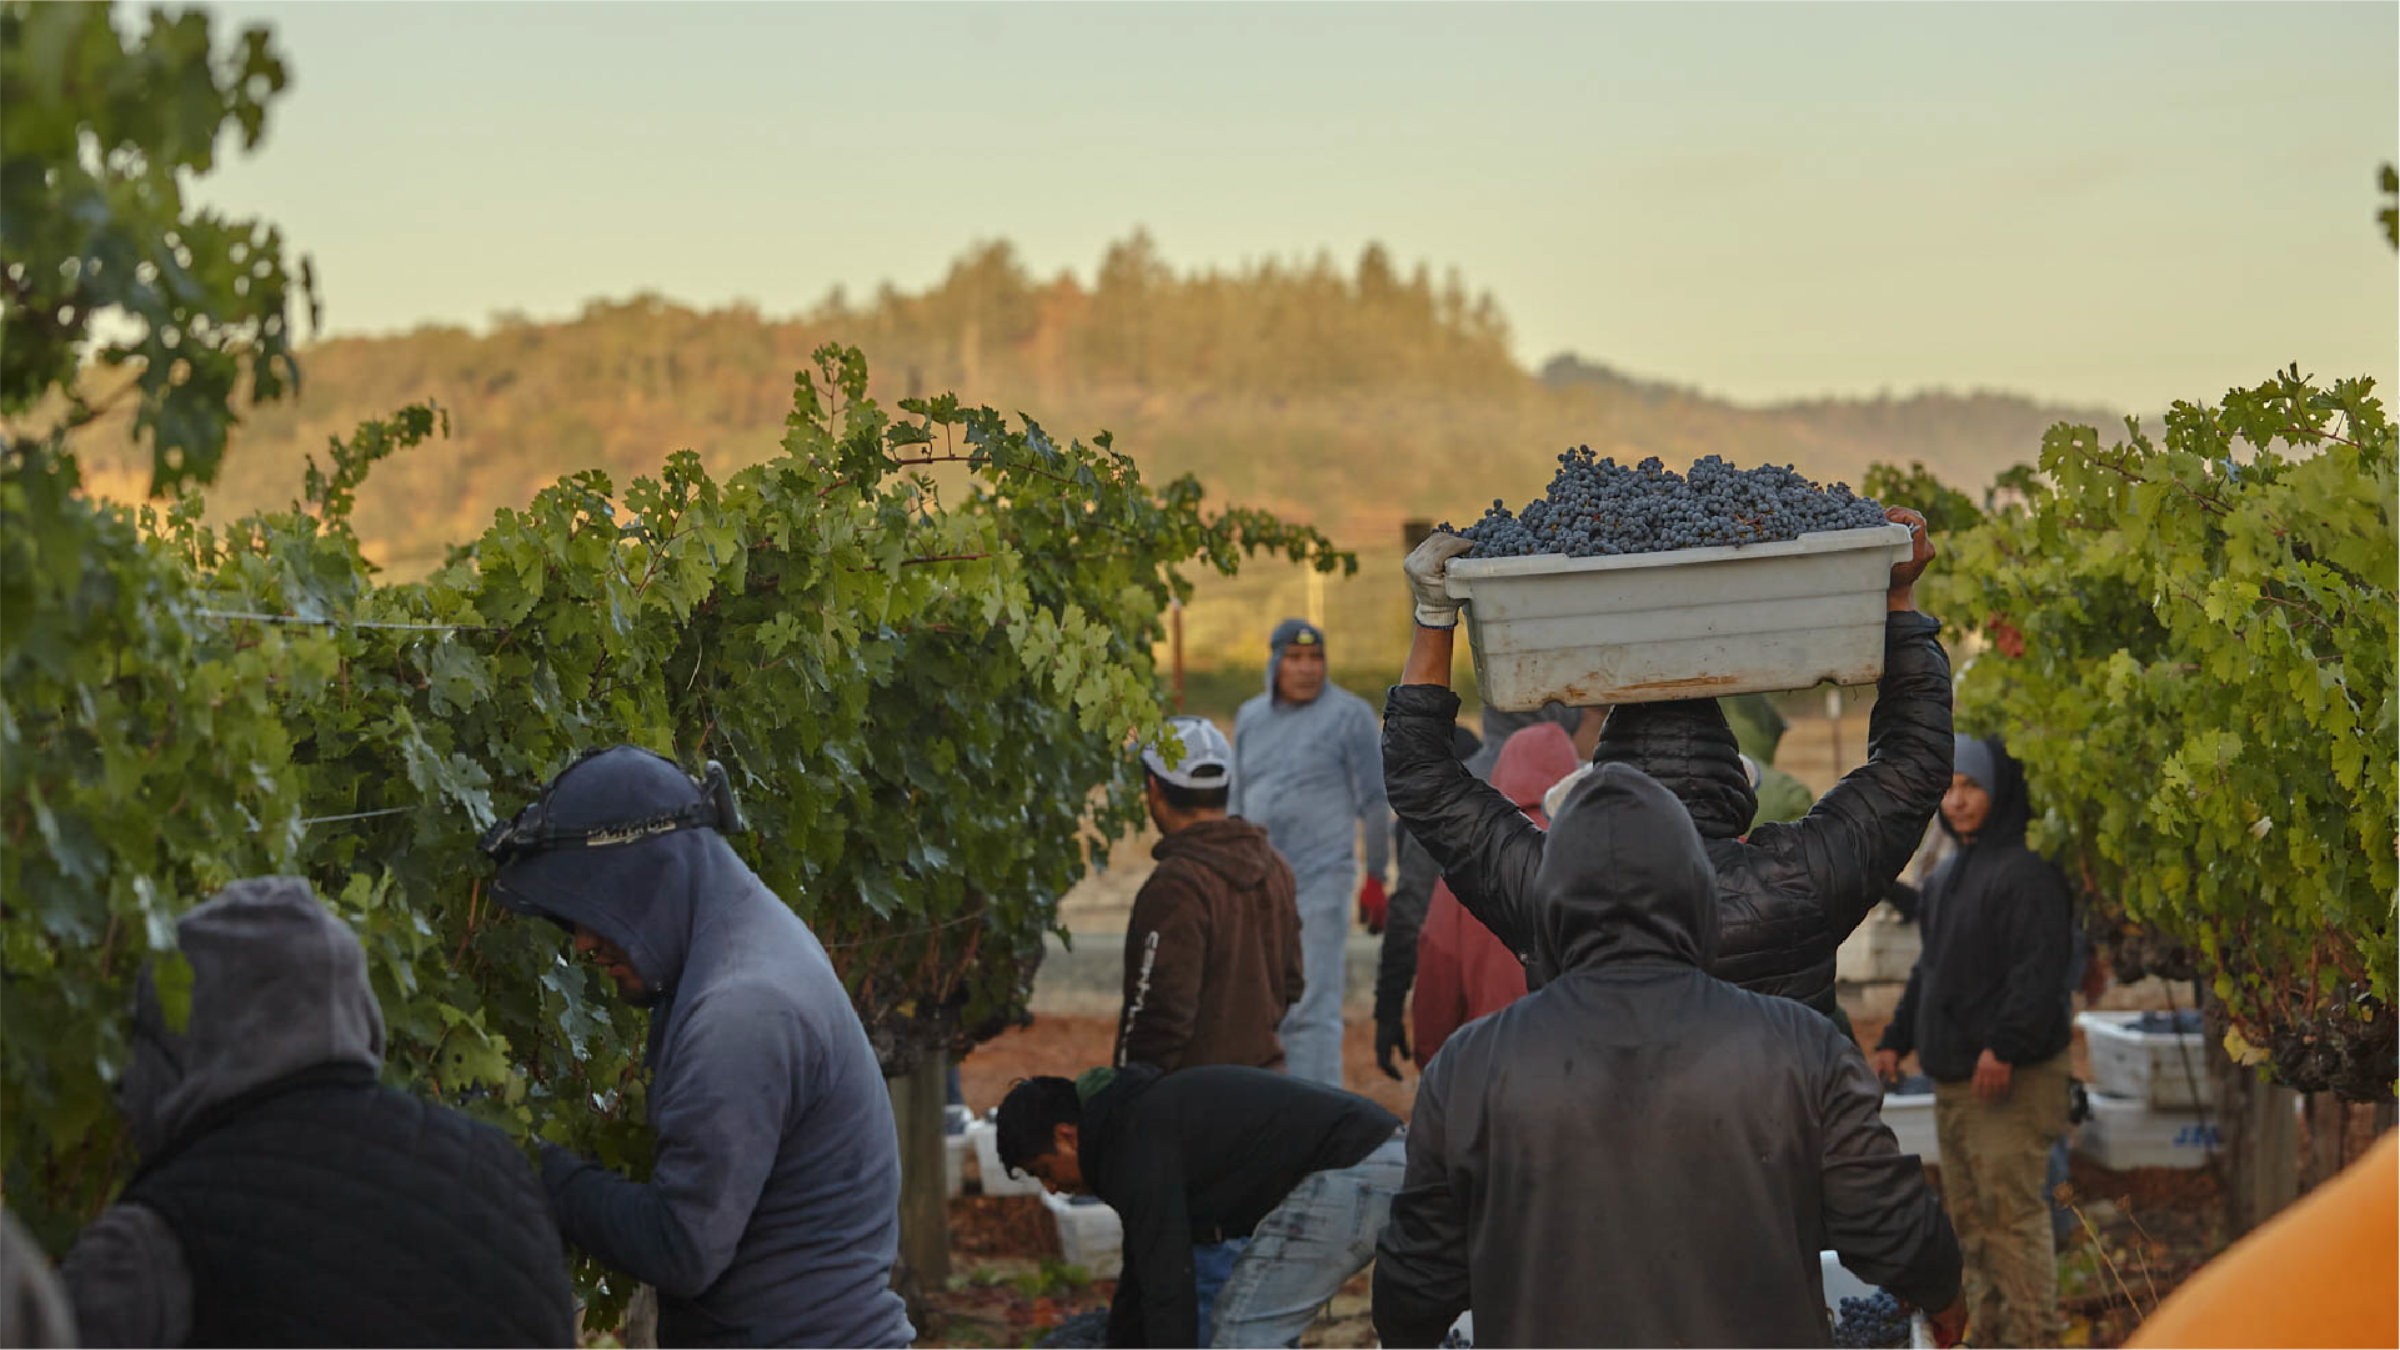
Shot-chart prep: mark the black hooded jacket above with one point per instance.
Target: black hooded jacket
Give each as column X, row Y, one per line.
column 285, row 1197
column 1999, row 931
column 1787, row 894
column 1640, row 1154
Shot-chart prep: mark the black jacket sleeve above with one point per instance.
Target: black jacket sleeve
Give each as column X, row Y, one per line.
column 1880, row 1216
column 1485, row 847
column 2034, row 997
column 1861, row 833
column 127, row 1280
column 1412, row 898
column 1421, row 1276
column 1900, row 1034
column 1148, row 1198
column 1903, row 899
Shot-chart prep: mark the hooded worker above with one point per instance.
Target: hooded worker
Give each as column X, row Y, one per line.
column 771, row 1216
column 1639, row 1153
column 1989, row 1013
column 285, row 1196
column 1308, row 768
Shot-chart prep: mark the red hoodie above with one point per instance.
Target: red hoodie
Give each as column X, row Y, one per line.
column 1463, row 972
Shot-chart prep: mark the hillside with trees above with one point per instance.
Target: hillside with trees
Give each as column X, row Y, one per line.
column 1349, row 397
column 1283, row 383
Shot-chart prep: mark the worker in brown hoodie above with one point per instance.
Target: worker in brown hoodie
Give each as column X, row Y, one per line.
column 1212, row 955
column 1463, row 971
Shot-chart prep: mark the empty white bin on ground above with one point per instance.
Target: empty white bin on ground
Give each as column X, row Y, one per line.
column 1090, row 1234
column 988, row 1171
column 2166, row 1069
column 1910, row 1116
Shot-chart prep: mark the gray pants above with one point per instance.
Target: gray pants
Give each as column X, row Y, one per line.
column 1312, row 1030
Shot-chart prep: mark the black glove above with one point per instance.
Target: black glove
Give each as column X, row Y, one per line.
column 1390, row 1035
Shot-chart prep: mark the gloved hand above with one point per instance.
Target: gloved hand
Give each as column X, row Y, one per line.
column 1428, row 568
column 1949, row 1326
column 1390, row 1036
column 1373, row 905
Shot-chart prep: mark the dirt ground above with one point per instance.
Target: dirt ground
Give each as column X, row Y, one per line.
column 2138, row 1234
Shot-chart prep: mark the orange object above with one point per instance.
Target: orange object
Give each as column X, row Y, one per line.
column 2324, row 1272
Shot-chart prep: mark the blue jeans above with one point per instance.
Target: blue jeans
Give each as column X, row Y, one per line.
column 1323, row 1233
column 1212, row 1262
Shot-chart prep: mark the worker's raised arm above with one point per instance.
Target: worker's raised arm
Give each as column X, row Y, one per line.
column 1484, row 845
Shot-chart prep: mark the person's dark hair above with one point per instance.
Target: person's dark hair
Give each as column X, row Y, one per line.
column 1030, row 1116
column 1192, row 799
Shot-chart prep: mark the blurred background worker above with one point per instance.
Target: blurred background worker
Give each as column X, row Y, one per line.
column 1988, row 1013
column 1308, row 766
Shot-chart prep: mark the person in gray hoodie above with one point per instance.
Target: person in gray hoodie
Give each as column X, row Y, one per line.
column 1639, row 1153
column 285, row 1197
column 771, row 1216
column 1307, row 765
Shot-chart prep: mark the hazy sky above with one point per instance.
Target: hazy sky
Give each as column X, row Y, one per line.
column 2113, row 203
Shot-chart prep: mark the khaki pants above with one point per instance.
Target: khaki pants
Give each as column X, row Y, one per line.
column 1995, row 1160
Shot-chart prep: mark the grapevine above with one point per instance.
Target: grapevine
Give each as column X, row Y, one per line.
column 2193, row 656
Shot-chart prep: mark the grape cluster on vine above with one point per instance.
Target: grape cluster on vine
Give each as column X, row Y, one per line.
column 1596, row 507
column 1876, row 1320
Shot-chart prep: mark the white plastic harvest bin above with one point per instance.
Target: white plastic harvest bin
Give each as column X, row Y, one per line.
column 1910, row 1117
column 1090, row 1235
column 2125, row 1133
column 2164, row 1068
column 1841, row 1284
column 994, row 1177
column 1692, row 623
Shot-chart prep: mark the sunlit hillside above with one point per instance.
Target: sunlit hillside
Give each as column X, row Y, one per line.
column 1353, row 397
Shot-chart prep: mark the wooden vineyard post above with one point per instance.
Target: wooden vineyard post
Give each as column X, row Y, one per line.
column 918, row 1098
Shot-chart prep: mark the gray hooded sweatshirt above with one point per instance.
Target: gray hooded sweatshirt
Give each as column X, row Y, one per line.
column 1638, row 1153
column 771, row 1216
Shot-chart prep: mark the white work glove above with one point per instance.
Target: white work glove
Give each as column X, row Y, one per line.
column 1428, row 569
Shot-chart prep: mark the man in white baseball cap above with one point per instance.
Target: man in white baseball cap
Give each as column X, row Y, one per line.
column 1212, row 955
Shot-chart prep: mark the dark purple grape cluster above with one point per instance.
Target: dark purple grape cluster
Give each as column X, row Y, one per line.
column 1876, row 1320
column 1596, row 507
